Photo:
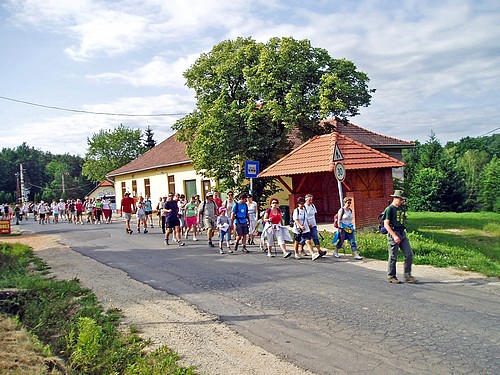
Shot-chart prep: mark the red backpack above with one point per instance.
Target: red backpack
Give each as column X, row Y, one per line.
column 336, row 219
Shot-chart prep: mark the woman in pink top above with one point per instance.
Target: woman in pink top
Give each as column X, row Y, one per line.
column 274, row 229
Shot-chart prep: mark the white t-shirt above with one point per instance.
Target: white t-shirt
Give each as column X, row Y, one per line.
column 301, row 215
column 311, row 214
column 252, row 210
column 346, row 217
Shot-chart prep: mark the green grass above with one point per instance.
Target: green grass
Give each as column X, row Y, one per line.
column 467, row 241
column 71, row 322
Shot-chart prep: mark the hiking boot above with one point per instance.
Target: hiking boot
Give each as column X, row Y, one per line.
column 410, row 279
column 393, row 280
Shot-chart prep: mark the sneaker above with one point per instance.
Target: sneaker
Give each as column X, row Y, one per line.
column 315, row 256
column 358, row 257
column 210, row 243
column 410, row 279
column 166, row 241
column 303, row 253
column 229, row 250
column 336, row 254
column 152, row 226
column 221, row 251
column 322, row 253
column 270, row 255
column 138, row 230
column 245, row 250
column 195, row 239
column 393, row 280
column 297, row 256
column 180, row 243
column 287, row 254
column 235, row 246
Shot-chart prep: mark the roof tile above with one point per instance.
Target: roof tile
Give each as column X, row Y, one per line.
column 317, row 154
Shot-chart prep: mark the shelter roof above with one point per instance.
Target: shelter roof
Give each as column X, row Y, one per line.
column 317, row 155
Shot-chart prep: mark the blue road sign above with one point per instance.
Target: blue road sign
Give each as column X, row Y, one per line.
column 252, row 169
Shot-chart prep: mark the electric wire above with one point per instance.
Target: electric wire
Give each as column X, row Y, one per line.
column 92, row 112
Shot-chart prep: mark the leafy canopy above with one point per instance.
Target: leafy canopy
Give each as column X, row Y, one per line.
column 111, row 149
column 251, row 95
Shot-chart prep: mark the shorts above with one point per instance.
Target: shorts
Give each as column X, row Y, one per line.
column 42, row 216
column 141, row 216
column 191, row 221
column 306, row 236
column 209, row 223
column 173, row 222
column 149, row 213
column 225, row 235
column 127, row 215
column 242, row 229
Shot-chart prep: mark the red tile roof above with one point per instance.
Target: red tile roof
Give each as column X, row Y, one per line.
column 316, row 155
column 167, row 153
column 106, row 183
column 367, row 137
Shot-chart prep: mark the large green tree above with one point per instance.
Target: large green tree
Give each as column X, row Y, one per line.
column 111, row 149
column 251, row 95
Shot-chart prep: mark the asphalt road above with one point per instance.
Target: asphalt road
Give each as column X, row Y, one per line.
column 328, row 316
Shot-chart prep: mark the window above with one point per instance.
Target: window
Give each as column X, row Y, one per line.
column 147, row 187
column 171, row 184
column 206, row 187
column 134, row 188
column 124, row 189
column 190, row 188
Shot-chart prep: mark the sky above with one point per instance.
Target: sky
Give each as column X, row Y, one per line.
column 435, row 65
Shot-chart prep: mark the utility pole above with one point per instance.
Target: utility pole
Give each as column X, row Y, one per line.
column 62, row 180
column 23, row 188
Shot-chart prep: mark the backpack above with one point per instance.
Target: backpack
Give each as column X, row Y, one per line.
column 381, row 226
column 336, row 219
column 237, row 212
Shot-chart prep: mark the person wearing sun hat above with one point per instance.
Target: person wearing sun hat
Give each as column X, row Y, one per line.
column 394, row 222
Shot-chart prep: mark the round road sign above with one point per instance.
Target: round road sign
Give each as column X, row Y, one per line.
column 339, row 172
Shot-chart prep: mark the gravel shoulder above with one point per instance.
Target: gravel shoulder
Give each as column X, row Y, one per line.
column 201, row 339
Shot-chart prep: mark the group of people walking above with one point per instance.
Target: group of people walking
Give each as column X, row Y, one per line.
column 90, row 210
column 239, row 219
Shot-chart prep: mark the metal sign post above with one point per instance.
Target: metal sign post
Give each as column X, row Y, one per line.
column 340, row 174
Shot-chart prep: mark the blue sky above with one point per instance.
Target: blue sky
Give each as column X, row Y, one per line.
column 435, row 64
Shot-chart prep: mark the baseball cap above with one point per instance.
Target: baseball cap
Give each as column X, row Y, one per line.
column 222, row 209
column 210, row 194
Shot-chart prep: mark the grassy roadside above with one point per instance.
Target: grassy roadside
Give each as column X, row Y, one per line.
column 468, row 241
column 68, row 322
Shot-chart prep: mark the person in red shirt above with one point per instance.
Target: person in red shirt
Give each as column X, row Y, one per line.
column 79, row 211
column 217, row 199
column 127, row 208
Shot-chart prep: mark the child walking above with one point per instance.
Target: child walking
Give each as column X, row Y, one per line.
column 223, row 223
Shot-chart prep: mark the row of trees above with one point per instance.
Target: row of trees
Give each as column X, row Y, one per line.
column 48, row 176
column 461, row 176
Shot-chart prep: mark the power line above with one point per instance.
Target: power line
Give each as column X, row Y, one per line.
column 491, row 131
column 91, row 112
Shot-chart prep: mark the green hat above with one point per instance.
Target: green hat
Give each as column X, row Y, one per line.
column 398, row 194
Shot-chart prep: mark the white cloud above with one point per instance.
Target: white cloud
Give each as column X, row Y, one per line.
column 156, row 73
